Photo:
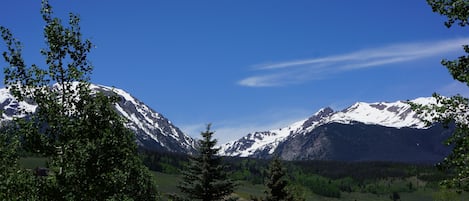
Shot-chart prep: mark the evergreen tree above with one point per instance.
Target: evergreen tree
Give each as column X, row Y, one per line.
column 92, row 155
column 204, row 177
column 454, row 109
column 277, row 183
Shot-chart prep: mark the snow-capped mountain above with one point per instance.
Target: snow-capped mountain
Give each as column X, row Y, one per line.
column 152, row 130
column 389, row 118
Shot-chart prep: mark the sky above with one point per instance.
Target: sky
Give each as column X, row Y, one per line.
column 254, row 65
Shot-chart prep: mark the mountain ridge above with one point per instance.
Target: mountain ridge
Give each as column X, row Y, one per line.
column 380, row 117
column 152, row 130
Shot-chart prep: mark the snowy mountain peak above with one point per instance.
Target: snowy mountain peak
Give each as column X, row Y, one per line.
column 11, row 107
column 388, row 114
column 324, row 112
column 318, row 117
column 152, row 130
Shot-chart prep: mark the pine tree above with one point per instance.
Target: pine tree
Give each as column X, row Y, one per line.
column 92, row 155
column 454, row 109
column 276, row 183
column 205, row 178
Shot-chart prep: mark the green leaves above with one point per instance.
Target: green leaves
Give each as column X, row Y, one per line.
column 92, row 156
column 455, row 10
column 15, row 182
column 459, row 68
column 454, row 110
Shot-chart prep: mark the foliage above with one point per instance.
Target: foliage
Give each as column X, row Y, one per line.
column 204, row 177
column 319, row 185
column 92, row 156
column 455, row 10
column 450, row 111
column 248, row 169
column 277, row 183
column 15, row 182
column 454, row 109
column 165, row 162
column 103, row 158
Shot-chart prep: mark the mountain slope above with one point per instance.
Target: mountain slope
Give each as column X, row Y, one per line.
column 364, row 142
column 152, row 130
column 377, row 129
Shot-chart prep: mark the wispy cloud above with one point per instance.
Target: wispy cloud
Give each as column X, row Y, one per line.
column 298, row 71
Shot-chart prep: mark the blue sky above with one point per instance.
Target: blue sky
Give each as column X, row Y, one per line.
column 255, row 65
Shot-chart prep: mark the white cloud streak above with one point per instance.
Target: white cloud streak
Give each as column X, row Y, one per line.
column 298, row 71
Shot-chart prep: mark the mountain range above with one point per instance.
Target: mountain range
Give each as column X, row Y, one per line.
column 362, row 132
column 382, row 131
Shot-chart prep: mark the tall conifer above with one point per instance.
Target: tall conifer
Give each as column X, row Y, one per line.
column 277, row 183
column 204, row 177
